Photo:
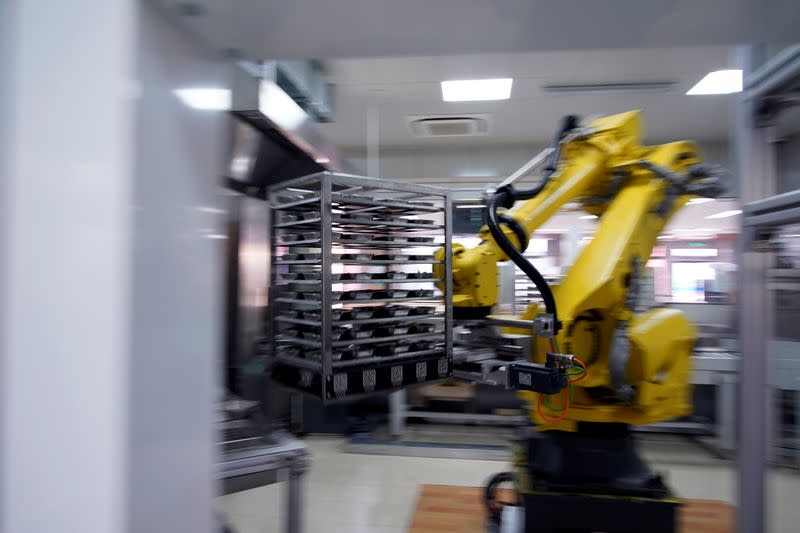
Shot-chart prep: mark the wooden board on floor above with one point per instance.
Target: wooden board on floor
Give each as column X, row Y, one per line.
column 450, row 508
column 454, row 391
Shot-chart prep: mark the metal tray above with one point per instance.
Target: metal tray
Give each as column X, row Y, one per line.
column 301, row 276
column 361, row 256
column 291, row 239
column 348, row 238
column 296, row 216
column 368, row 240
column 345, row 221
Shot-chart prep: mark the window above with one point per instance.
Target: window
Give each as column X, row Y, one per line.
column 689, row 281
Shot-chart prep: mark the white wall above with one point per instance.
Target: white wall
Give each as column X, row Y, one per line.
column 64, row 284
column 471, row 166
column 177, row 285
column 451, row 166
column 705, row 313
column 8, row 78
column 110, row 285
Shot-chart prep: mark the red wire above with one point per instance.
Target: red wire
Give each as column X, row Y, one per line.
column 559, row 417
column 566, row 393
column 583, row 366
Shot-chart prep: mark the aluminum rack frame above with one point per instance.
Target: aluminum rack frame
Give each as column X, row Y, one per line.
column 324, row 216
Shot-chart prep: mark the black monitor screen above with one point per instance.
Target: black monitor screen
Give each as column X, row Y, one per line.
column 467, row 219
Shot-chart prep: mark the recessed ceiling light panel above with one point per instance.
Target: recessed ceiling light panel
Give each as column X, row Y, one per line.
column 207, row 99
column 726, row 214
column 718, row 82
column 476, row 90
column 699, row 200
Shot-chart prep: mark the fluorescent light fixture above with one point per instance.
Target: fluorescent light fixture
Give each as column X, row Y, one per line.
column 662, row 237
column 719, row 82
column 698, row 201
column 693, row 252
column 726, row 214
column 587, row 217
column 322, row 160
column 207, row 99
column 475, row 90
column 214, row 210
column 468, row 206
column 698, row 230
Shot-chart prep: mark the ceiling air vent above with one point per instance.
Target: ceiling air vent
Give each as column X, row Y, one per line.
column 449, row 126
column 610, row 87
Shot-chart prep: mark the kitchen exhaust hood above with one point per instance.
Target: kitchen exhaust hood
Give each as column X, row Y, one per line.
column 274, row 138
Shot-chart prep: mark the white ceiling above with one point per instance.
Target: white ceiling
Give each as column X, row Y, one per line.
column 401, row 86
column 280, row 29
column 287, row 29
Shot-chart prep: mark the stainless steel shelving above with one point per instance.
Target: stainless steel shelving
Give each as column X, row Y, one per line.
column 355, row 305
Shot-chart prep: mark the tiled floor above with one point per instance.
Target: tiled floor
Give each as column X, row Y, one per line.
column 354, row 492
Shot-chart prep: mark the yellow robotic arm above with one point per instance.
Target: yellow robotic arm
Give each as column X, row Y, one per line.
column 638, row 360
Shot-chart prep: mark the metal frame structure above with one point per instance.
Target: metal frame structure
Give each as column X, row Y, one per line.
column 768, row 90
column 356, row 216
column 256, row 461
column 763, row 216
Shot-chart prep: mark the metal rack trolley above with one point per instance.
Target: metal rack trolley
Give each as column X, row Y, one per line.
column 354, row 304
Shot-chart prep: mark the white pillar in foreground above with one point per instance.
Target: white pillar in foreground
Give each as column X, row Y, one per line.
column 110, row 278
column 64, row 291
